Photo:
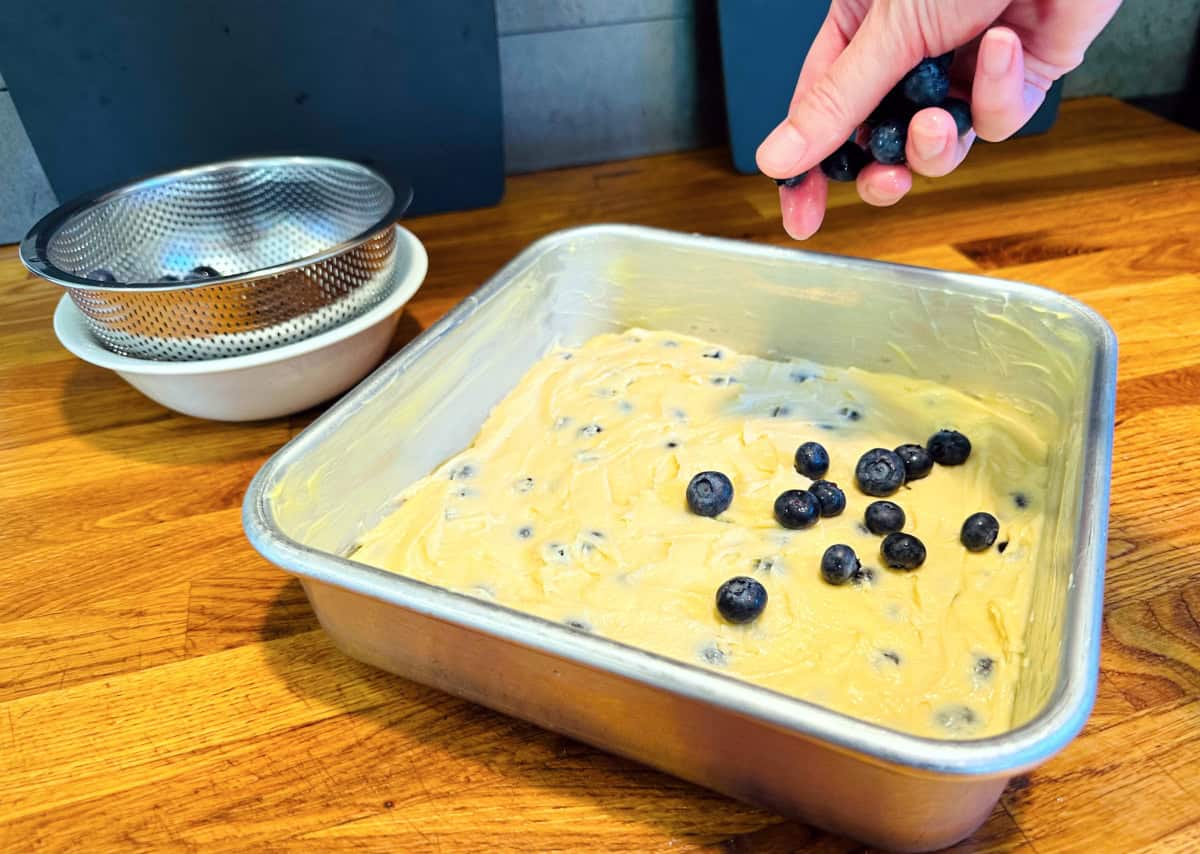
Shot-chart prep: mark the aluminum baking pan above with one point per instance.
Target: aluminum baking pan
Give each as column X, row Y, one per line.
column 310, row 503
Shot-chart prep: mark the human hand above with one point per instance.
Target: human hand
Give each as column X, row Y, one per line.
column 1009, row 52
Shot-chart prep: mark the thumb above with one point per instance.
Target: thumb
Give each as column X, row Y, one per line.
column 825, row 113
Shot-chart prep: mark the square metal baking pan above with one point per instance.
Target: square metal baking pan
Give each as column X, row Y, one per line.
column 310, row 503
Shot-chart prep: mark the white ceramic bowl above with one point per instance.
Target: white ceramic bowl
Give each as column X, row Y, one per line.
column 270, row 383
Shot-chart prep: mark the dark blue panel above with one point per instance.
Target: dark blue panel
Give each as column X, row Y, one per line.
column 112, row 90
column 763, row 45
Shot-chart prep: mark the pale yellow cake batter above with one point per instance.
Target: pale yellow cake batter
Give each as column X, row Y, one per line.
column 570, row 505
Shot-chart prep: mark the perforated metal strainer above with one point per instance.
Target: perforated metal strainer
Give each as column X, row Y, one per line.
column 225, row 259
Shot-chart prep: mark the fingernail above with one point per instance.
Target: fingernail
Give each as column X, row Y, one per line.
column 996, row 54
column 783, row 150
column 928, row 145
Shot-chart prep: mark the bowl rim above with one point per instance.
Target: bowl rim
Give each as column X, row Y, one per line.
column 33, row 248
column 73, row 333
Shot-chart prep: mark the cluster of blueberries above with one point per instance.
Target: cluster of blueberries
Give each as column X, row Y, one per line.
column 886, row 131
column 196, row 274
column 879, row 473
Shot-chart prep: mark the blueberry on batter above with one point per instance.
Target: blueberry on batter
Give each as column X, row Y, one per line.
column 890, row 655
column 1000, row 547
column 797, row 508
column 1021, row 500
column 849, row 414
column 763, row 564
column 741, row 599
column 829, row 496
column 525, row 532
column 879, row 472
column 672, row 444
column 902, row 551
column 884, row 517
column 713, row 654
column 863, row 577
column 949, row 447
column 556, row 553
column 713, row 354
column 984, row 665
column 590, row 430
column 523, row 485
column 979, row 531
column 839, row 563
column 956, row 718
column 917, row 461
column 812, row 460
column 709, row 493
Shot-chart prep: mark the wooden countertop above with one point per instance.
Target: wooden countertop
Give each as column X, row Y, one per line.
column 162, row 686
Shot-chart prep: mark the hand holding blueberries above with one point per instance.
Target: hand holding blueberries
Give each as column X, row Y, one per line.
column 894, row 74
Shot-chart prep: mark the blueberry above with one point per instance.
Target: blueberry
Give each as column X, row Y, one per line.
column 1000, row 547
column 1021, row 500
column 984, row 665
column 845, row 163
column 812, row 460
column 960, row 110
column 202, row 272
column 917, row 462
column 796, row 509
column 741, row 599
column 709, row 493
column 713, row 654
column 793, row 181
column 949, row 448
column 979, row 531
column 956, row 718
column 102, row 275
column 829, row 496
column 888, row 139
column 839, row 563
column 927, row 85
column 590, row 430
column 902, row 551
column 946, row 60
column 879, row 472
column 864, row 577
column 850, row 413
column 893, row 106
column 525, row 532
column 884, row 517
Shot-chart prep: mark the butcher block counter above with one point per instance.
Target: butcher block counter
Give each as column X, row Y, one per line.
column 164, row 687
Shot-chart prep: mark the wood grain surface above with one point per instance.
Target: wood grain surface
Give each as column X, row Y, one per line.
column 163, row 687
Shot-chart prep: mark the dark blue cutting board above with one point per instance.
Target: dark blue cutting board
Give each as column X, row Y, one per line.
column 112, row 90
column 763, row 45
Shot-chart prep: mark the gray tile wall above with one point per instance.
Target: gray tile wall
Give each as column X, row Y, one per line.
column 25, row 195
column 1145, row 50
column 592, row 80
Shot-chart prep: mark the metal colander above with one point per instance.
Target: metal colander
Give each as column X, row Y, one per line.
column 225, row 259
